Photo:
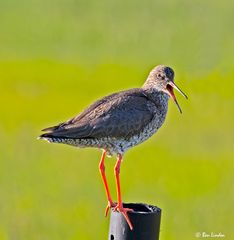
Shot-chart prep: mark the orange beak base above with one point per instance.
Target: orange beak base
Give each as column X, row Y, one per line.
column 170, row 90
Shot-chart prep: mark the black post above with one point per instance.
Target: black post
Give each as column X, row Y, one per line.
column 145, row 220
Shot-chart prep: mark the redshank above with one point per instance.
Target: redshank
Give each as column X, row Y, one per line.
column 118, row 122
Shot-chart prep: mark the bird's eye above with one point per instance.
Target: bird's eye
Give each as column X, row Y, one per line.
column 159, row 75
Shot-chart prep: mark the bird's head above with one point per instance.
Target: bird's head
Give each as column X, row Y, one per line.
column 161, row 78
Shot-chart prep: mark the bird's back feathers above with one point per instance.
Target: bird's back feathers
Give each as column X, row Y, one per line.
column 119, row 115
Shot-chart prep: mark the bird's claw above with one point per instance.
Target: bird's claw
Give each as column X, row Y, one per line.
column 110, row 204
column 124, row 211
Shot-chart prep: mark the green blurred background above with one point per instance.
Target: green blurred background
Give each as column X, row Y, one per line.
column 57, row 57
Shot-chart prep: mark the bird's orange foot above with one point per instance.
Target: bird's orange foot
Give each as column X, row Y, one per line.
column 110, row 204
column 124, row 211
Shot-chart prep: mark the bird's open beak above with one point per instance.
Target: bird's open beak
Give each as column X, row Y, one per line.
column 170, row 89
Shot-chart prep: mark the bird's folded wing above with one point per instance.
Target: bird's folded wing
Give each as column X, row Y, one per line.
column 115, row 116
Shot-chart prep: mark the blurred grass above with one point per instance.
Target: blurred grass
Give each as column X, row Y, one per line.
column 58, row 57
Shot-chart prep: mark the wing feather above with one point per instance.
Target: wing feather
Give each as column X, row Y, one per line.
column 119, row 115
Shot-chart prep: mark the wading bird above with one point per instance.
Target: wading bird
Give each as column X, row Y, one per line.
column 118, row 122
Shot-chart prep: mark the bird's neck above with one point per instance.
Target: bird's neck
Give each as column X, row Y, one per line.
column 160, row 98
column 149, row 83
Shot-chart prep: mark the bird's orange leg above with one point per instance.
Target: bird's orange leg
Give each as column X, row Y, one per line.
column 119, row 207
column 102, row 171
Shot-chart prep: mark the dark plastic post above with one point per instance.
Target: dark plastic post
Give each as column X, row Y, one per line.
column 145, row 220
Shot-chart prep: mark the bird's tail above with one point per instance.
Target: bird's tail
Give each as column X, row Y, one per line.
column 45, row 136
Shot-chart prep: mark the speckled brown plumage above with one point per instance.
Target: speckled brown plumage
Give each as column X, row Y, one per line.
column 118, row 122
column 121, row 120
